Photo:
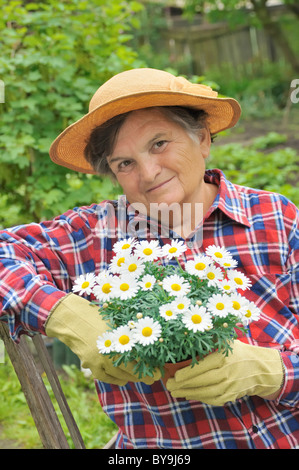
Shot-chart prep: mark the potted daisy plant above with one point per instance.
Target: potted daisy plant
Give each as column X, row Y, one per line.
column 161, row 312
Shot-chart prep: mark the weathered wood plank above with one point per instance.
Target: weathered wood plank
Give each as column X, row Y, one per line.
column 58, row 392
column 39, row 402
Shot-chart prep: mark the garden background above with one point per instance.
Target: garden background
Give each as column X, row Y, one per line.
column 54, row 55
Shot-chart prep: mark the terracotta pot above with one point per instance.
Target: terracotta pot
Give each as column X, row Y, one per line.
column 170, row 369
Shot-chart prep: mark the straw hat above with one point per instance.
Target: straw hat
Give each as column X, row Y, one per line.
column 136, row 89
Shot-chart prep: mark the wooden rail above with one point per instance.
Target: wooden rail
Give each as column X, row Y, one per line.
column 41, row 407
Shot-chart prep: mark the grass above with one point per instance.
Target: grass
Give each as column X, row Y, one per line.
column 17, row 426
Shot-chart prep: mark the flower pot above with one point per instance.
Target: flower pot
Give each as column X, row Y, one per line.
column 170, row 369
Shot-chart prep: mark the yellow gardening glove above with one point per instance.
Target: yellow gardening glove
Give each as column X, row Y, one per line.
column 77, row 323
column 218, row 379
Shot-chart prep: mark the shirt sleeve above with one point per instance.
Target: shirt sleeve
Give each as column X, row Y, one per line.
column 38, row 263
column 289, row 395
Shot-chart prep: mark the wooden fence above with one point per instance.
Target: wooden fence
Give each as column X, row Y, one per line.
column 201, row 47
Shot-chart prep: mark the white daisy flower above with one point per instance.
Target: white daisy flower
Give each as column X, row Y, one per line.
column 213, row 275
column 147, row 282
column 123, row 339
column 103, row 288
column 105, row 342
column 227, row 286
column 132, row 265
column 241, row 281
column 84, row 284
column 175, row 249
column 229, row 263
column 250, row 313
column 116, row 262
column 176, row 285
column 238, row 304
column 198, row 265
column 148, row 251
column 219, row 305
column 181, row 304
column 147, row 331
column 124, row 287
column 218, row 253
column 197, row 318
column 168, row 311
column 124, row 246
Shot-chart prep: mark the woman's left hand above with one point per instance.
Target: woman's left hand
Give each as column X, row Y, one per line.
column 218, row 379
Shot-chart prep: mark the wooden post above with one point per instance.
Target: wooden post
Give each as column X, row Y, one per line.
column 58, row 392
column 38, row 399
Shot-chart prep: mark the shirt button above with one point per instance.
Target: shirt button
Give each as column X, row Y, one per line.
column 189, row 244
column 255, row 428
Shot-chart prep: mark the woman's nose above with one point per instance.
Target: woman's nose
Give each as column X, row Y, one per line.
column 150, row 168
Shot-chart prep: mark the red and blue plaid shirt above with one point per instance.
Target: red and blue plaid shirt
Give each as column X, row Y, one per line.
column 39, row 263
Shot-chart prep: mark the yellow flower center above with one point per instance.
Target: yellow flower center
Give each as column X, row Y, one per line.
column 218, row 254
column 248, row 314
column 211, row 276
column 200, row 266
column 148, row 284
column 120, row 261
column 125, row 246
column 236, row 305
column 173, row 249
column 176, row 287
column 147, row 251
column 106, row 288
column 169, row 313
column 107, row 343
column 226, row 287
column 124, row 286
column 147, row 331
column 238, row 281
column 196, row 318
column 124, row 339
column 85, row 285
column 180, row 306
column 219, row 306
column 132, row 267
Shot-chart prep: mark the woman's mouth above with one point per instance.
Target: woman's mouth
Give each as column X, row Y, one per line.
column 158, row 186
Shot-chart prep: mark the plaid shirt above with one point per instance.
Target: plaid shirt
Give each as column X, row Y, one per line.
column 39, row 263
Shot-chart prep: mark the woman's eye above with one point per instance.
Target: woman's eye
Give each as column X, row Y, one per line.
column 124, row 164
column 160, row 144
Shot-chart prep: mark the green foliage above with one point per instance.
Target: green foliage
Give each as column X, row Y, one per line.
column 54, row 55
column 17, row 424
column 147, row 39
column 262, row 88
column 247, row 165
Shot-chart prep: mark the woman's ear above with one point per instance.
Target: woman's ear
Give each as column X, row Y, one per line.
column 205, row 142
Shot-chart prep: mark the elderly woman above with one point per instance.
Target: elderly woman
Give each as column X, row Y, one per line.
column 152, row 132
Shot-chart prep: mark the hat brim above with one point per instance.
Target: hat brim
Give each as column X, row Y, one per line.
column 68, row 148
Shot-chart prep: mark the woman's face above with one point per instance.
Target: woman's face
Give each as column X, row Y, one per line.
column 155, row 160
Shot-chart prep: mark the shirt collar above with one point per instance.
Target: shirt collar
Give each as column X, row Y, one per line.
column 228, row 199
